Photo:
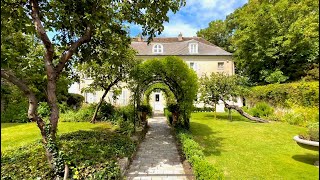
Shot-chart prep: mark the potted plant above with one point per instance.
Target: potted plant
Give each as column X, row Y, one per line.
column 144, row 110
column 174, row 109
column 309, row 140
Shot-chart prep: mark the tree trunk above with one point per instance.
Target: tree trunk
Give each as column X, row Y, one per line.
column 244, row 114
column 93, row 120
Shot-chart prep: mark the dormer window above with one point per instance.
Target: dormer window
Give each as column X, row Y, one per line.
column 157, row 48
column 193, row 48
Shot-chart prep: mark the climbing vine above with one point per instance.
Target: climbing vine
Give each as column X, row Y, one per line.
column 172, row 72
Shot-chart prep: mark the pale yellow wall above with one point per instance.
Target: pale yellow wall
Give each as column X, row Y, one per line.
column 205, row 64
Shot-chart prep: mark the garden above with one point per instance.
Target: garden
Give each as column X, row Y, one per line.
column 49, row 133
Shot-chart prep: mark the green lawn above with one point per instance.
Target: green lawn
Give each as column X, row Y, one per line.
column 249, row 150
column 14, row 135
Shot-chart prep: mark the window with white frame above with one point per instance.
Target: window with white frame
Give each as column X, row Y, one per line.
column 220, row 65
column 193, row 48
column 193, row 66
column 157, row 48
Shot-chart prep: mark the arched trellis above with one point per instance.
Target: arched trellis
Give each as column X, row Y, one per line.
column 175, row 74
column 159, row 86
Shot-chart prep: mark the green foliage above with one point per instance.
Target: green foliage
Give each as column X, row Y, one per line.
column 301, row 116
column 89, row 154
column 15, row 112
column 313, row 131
column 75, row 100
column 274, row 77
column 125, row 127
column 262, row 109
column 175, row 73
column 193, row 152
column 168, row 114
column 173, row 108
column 218, row 34
column 107, row 111
column 270, row 35
column 169, row 96
column 203, row 109
column 43, row 109
column 145, row 108
column 220, row 86
column 82, row 115
column 286, row 95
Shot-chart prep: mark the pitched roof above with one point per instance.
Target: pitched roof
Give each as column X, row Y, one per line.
column 172, row 46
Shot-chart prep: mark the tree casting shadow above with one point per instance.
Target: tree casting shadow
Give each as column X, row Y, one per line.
column 208, row 139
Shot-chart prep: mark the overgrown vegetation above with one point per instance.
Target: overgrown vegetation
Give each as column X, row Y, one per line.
column 89, row 155
column 312, row 133
column 203, row 170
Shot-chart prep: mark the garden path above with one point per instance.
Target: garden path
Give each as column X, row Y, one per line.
column 157, row 156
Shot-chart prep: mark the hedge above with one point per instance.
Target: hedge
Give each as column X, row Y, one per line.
column 203, row 170
column 301, row 93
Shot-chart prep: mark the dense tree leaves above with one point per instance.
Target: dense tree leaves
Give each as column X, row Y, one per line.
column 270, row 35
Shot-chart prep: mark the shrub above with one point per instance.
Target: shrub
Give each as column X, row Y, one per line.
column 168, row 114
column 89, row 154
column 85, row 113
column 301, row 116
column 261, row 109
column 107, row 111
column 173, row 107
column 125, row 127
column 15, row 113
column 301, row 93
column 145, row 108
column 203, row 170
column 75, row 100
column 126, row 112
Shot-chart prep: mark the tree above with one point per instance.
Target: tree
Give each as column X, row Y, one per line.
column 76, row 24
column 218, row 33
column 219, row 86
column 270, row 35
column 108, row 72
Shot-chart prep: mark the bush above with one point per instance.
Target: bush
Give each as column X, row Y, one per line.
column 173, row 107
column 301, row 93
column 261, row 109
column 145, row 108
column 75, row 100
column 203, row 170
column 107, row 111
column 301, row 116
column 84, row 114
column 89, row 155
column 168, row 114
column 15, row 113
column 125, row 127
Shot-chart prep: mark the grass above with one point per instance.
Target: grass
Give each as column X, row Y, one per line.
column 249, row 150
column 14, row 135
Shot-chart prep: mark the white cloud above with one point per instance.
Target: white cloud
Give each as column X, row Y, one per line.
column 172, row 29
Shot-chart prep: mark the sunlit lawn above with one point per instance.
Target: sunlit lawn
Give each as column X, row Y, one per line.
column 249, row 150
column 14, row 135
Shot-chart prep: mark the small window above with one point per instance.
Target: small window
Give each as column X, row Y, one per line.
column 193, row 66
column 157, row 98
column 157, row 48
column 220, row 65
column 193, row 48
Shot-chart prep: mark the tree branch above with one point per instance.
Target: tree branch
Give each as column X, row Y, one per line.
column 33, row 102
column 237, row 108
column 41, row 31
column 66, row 55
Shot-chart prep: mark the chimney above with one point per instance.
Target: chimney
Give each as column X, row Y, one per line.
column 180, row 37
column 139, row 38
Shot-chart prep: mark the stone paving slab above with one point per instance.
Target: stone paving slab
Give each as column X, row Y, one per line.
column 157, row 157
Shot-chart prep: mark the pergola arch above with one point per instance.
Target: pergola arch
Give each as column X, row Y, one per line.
column 175, row 74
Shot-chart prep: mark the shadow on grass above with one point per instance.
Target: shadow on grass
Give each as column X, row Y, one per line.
column 208, row 139
column 224, row 116
column 306, row 158
column 7, row 125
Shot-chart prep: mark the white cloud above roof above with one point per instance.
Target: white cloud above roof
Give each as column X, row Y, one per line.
column 196, row 15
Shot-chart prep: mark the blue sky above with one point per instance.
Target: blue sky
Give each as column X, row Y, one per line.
column 194, row 16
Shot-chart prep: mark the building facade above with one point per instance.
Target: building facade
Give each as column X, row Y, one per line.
column 200, row 55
